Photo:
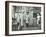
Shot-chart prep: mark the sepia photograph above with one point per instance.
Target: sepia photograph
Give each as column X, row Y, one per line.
column 25, row 18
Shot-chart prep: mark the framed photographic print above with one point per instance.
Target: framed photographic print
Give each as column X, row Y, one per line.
column 24, row 18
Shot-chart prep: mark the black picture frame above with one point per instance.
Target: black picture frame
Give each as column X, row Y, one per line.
column 7, row 17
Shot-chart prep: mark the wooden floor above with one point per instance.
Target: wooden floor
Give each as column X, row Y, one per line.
column 31, row 28
column 26, row 28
